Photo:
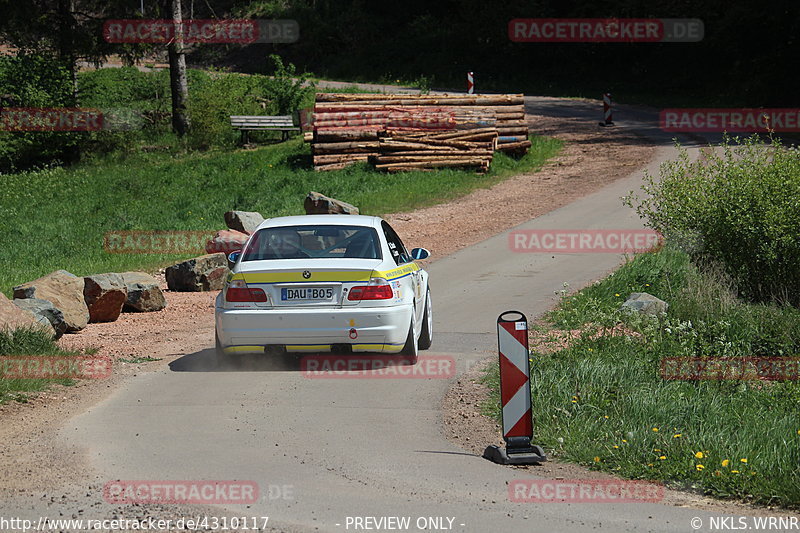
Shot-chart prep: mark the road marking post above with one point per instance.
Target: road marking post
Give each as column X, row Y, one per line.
column 515, row 394
column 607, row 116
column 470, row 83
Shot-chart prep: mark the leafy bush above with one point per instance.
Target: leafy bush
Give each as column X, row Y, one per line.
column 34, row 81
column 212, row 101
column 736, row 207
column 285, row 89
column 126, row 86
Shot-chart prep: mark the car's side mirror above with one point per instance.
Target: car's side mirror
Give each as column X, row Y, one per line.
column 233, row 257
column 420, row 253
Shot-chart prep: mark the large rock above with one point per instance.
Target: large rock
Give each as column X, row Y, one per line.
column 244, row 221
column 46, row 314
column 65, row 290
column 319, row 204
column 13, row 316
column 144, row 294
column 104, row 294
column 644, row 303
column 204, row 273
column 226, row 241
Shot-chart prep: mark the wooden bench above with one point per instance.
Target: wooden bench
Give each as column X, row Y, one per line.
column 246, row 124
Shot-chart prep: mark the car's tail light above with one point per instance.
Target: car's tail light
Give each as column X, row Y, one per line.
column 238, row 291
column 378, row 289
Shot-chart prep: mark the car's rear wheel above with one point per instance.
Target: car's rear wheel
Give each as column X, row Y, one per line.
column 410, row 350
column 426, row 336
column 230, row 360
column 219, row 352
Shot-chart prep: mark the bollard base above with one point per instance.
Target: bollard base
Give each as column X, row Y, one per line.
column 530, row 456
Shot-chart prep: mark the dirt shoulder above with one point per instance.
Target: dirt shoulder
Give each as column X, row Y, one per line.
column 592, row 158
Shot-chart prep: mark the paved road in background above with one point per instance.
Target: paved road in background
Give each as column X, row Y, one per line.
column 375, row 447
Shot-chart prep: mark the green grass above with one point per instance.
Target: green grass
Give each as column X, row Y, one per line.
column 56, row 218
column 603, row 403
column 27, row 342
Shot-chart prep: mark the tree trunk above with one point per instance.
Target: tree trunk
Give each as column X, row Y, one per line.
column 177, row 74
column 66, row 53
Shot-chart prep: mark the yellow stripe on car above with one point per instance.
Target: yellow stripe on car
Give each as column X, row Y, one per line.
column 398, row 272
column 340, row 276
column 308, row 347
column 234, row 349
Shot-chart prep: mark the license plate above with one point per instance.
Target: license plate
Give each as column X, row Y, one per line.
column 306, row 294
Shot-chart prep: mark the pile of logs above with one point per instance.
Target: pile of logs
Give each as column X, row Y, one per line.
column 359, row 127
column 413, row 151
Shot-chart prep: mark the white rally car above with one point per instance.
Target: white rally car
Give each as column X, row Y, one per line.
column 325, row 283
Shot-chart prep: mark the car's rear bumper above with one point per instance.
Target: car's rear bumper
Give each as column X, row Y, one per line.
column 381, row 329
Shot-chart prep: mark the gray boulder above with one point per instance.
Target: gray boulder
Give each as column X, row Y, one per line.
column 104, row 294
column 319, row 204
column 244, row 221
column 144, row 293
column 204, row 273
column 644, row 303
column 46, row 313
column 13, row 316
column 65, row 291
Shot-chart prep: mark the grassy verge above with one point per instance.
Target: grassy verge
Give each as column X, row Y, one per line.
column 602, row 402
column 29, row 343
column 56, row 218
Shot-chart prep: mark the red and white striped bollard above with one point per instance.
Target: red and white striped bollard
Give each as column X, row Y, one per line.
column 470, row 83
column 607, row 115
column 515, row 394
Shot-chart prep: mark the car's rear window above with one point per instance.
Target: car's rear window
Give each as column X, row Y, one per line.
column 313, row 242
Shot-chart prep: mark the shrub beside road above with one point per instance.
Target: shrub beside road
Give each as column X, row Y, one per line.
column 602, row 392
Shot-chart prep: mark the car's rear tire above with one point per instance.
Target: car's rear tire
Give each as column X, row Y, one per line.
column 410, row 351
column 223, row 359
column 219, row 352
column 426, row 336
